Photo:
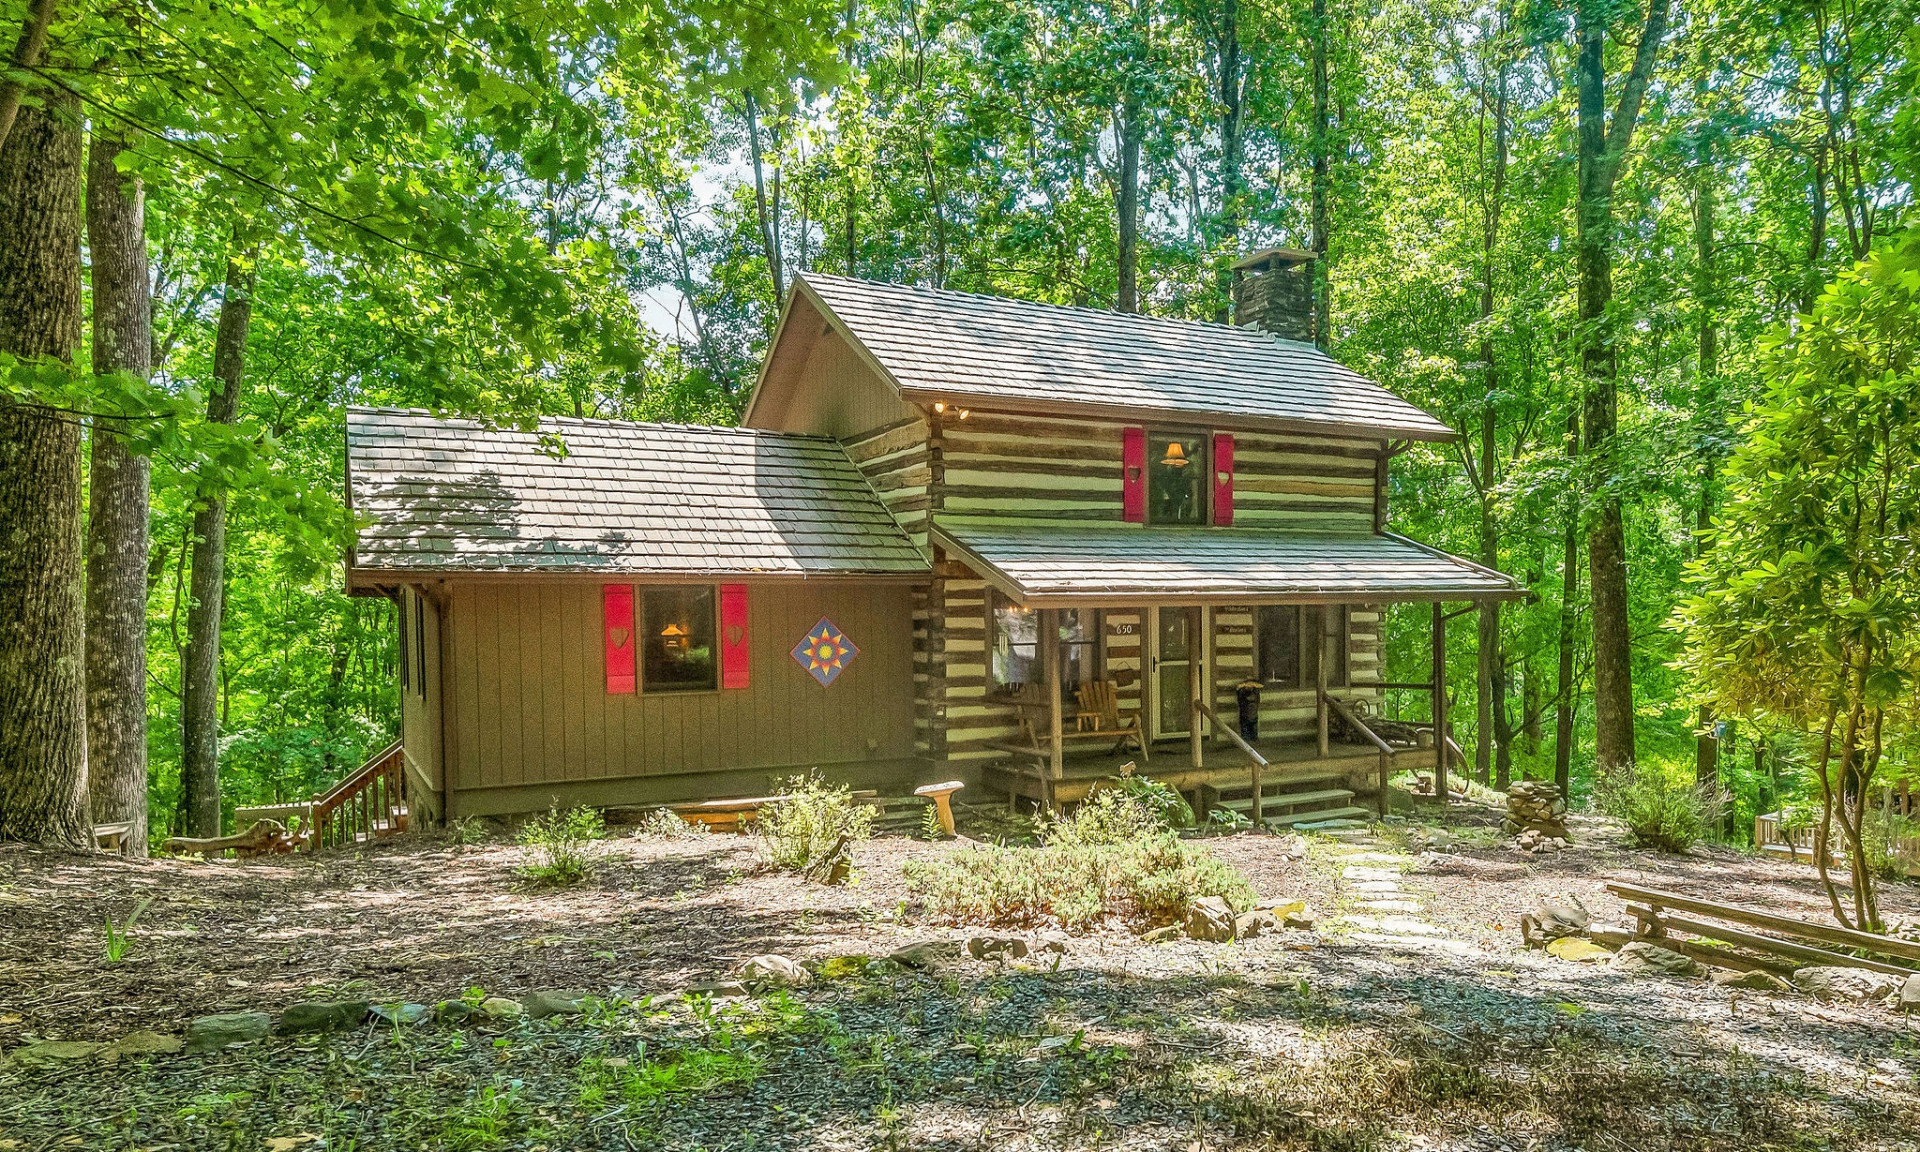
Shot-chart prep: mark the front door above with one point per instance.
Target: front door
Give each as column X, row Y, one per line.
column 1171, row 654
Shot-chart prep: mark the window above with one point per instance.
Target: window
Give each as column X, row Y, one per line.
column 1013, row 640
column 1176, row 479
column 678, row 638
column 1288, row 640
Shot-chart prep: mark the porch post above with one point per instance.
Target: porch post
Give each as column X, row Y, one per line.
column 1050, row 670
column 1320, row 709
column 1196, row 679
column 1440, row 791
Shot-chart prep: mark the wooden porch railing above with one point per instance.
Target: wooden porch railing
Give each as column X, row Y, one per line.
column 1380, row 745
column 371, row 802
column 1259, row 762
column 1769, row 833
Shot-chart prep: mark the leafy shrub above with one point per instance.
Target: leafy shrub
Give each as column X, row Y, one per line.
column 812, row 827
column 1882, row 837
column 1659, row 812
column 1158, row 797
column 664, row 824
column 1112, row 860
column 561, row 845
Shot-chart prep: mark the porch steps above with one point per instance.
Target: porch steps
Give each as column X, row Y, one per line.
column 1294, row 818
column 1272, row 800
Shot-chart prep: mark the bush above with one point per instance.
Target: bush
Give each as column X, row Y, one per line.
column 813, row 827
column 1112, row 860
column 1882, row 837
column 562, row 845
column 1658, row 812
column 664, row 824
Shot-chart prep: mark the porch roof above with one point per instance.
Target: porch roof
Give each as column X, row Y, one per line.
column 1065, row 565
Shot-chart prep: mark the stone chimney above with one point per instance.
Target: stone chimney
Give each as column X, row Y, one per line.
column 1273, row 291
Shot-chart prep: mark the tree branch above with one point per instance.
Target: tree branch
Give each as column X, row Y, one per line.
column 26, row 54
column 1633, row 90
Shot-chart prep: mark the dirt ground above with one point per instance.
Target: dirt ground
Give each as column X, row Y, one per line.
column 1427, row 1025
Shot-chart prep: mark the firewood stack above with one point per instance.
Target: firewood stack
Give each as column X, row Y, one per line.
column 1536, row 815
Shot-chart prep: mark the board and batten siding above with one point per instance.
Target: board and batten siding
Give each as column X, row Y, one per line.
column 529, row 705
column 421, row 697
column 1022, row 469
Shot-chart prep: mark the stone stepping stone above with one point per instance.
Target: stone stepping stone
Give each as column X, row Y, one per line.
column 1415, row 943
column 1372, row 858
column 1356, row 872
column 1396, row 925
column 1391, row 905
column 1382, row 886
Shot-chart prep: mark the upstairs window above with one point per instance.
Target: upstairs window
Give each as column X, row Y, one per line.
column 1177, row 478
column 677, row 638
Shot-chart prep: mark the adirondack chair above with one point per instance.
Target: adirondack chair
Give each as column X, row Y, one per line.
column 1099, row 702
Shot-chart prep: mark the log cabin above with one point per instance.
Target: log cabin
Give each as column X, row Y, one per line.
column 955, row 535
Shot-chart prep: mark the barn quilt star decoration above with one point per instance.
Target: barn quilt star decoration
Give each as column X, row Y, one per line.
column 826, row 652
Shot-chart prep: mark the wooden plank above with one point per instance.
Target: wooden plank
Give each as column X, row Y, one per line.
column 1825, row 933
column 1760, row 943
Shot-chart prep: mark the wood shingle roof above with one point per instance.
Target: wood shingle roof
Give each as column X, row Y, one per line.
column 450, row 495
column 961, row 346
column 1065, row 565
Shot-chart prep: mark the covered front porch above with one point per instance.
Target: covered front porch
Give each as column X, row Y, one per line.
column 1211, row 616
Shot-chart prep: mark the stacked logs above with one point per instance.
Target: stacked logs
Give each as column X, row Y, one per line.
column 1536, row 816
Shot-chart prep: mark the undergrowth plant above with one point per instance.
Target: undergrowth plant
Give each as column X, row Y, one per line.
column 664, row 824
column 812, row 828
column 1113, row 859
column 561, row 845
column 1660, row 813
column 120, row 937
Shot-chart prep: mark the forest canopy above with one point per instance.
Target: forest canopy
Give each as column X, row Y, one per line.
column 1593, row 237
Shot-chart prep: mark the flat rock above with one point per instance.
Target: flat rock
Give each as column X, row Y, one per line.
column 1250, row 924
column 1302, row 918
column 1910, row 994
column 43, row 1052
column 718, row 989
column 1209, row 918
column 1640, row 956
column 985, row 947
column 143, row 1043
column 1854, row 985
column 401, row 1013
column 454, row 1011
column 1758, row 979
column 773, row 969
column 1395, row 925
column 923, row 954
column 1578, row 950
column 323, row 1016
column 501, row 1008
column 1361, row 872
column 1378, row 887
column 1389, row 905
column 1161, row 934
column 540, row 1005
column 208, row 1033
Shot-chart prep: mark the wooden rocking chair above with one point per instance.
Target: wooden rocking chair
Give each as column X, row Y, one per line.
column 1099, row 702
column 1095, row 723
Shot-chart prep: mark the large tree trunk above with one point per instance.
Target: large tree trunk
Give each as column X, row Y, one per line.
column 1491, row 711
column 769, row 216
column 1127, row 205
column 43, row 707
column 200, row 691
column 1602, row 149
column 1322, row 191
column 26, row 54
column 1706, row 750
column 1563, row 710
column 117, row 504
column 1232, row 151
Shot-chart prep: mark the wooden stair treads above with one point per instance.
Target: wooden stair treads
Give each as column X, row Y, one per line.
column 1271, row 800
column 1347, row 813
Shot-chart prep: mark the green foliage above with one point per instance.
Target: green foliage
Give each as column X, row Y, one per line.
column 120, row 937
column 1890, row 843
column 561, row 845
column 1659, row 812
column 1158, row 797
column 664, row 824
column 1112, row 860
column 812, row 823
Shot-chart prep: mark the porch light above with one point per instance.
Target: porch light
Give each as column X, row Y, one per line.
column 1176, row 456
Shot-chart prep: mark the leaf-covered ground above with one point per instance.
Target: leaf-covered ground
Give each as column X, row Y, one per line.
column 1423, row 1024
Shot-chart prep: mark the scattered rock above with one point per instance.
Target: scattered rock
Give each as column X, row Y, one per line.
column 401, row 1013
column 772, row 969
column 501, row 1008
column 1302, row 918
column 1209, row 918
column 1161, row 934
column 1641, row 956
column 1758, row 979
column 323, row 1016
column 723, row 989
column 454, row 1011
column 44, row 1052
column 1553, row 918
column 143, row 1043
column 540, row 1005
column 209, row 1033
column 1250, row 924
column 1578, row 950
column 1054, row 942
column 1537, row 814
column 1854, row 985
column 841, row 967
column 1432, row 840
column 996, row 947
column 1910, row 995
column 922, row 954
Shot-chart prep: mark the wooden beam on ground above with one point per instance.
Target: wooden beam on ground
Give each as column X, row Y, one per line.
column 1768, row 944
column 1825, row 933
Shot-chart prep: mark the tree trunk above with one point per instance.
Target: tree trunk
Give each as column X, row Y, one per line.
column 1563, row 711
column 1706, row 749
column 43, row 707
column 1322, row 175
column 117, row 505
column 1602, row 148
column 200, row 692
column 1491, row 673
column 769, row 223
column 1232, row 150
column 1127, row 205
column 26, row 54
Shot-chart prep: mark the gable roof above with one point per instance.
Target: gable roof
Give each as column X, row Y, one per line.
column 450, row 495
column 958, row 347
column 1068, row 564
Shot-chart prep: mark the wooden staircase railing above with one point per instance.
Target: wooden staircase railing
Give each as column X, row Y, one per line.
column 370, row 802
column 1257, row 762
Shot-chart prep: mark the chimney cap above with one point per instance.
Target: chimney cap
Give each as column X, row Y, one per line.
column 1266, row 256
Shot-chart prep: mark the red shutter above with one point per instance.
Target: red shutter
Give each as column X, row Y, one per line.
column 616, row 602
column 1223, row 478
column 1133, row 463
column 733, row 635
